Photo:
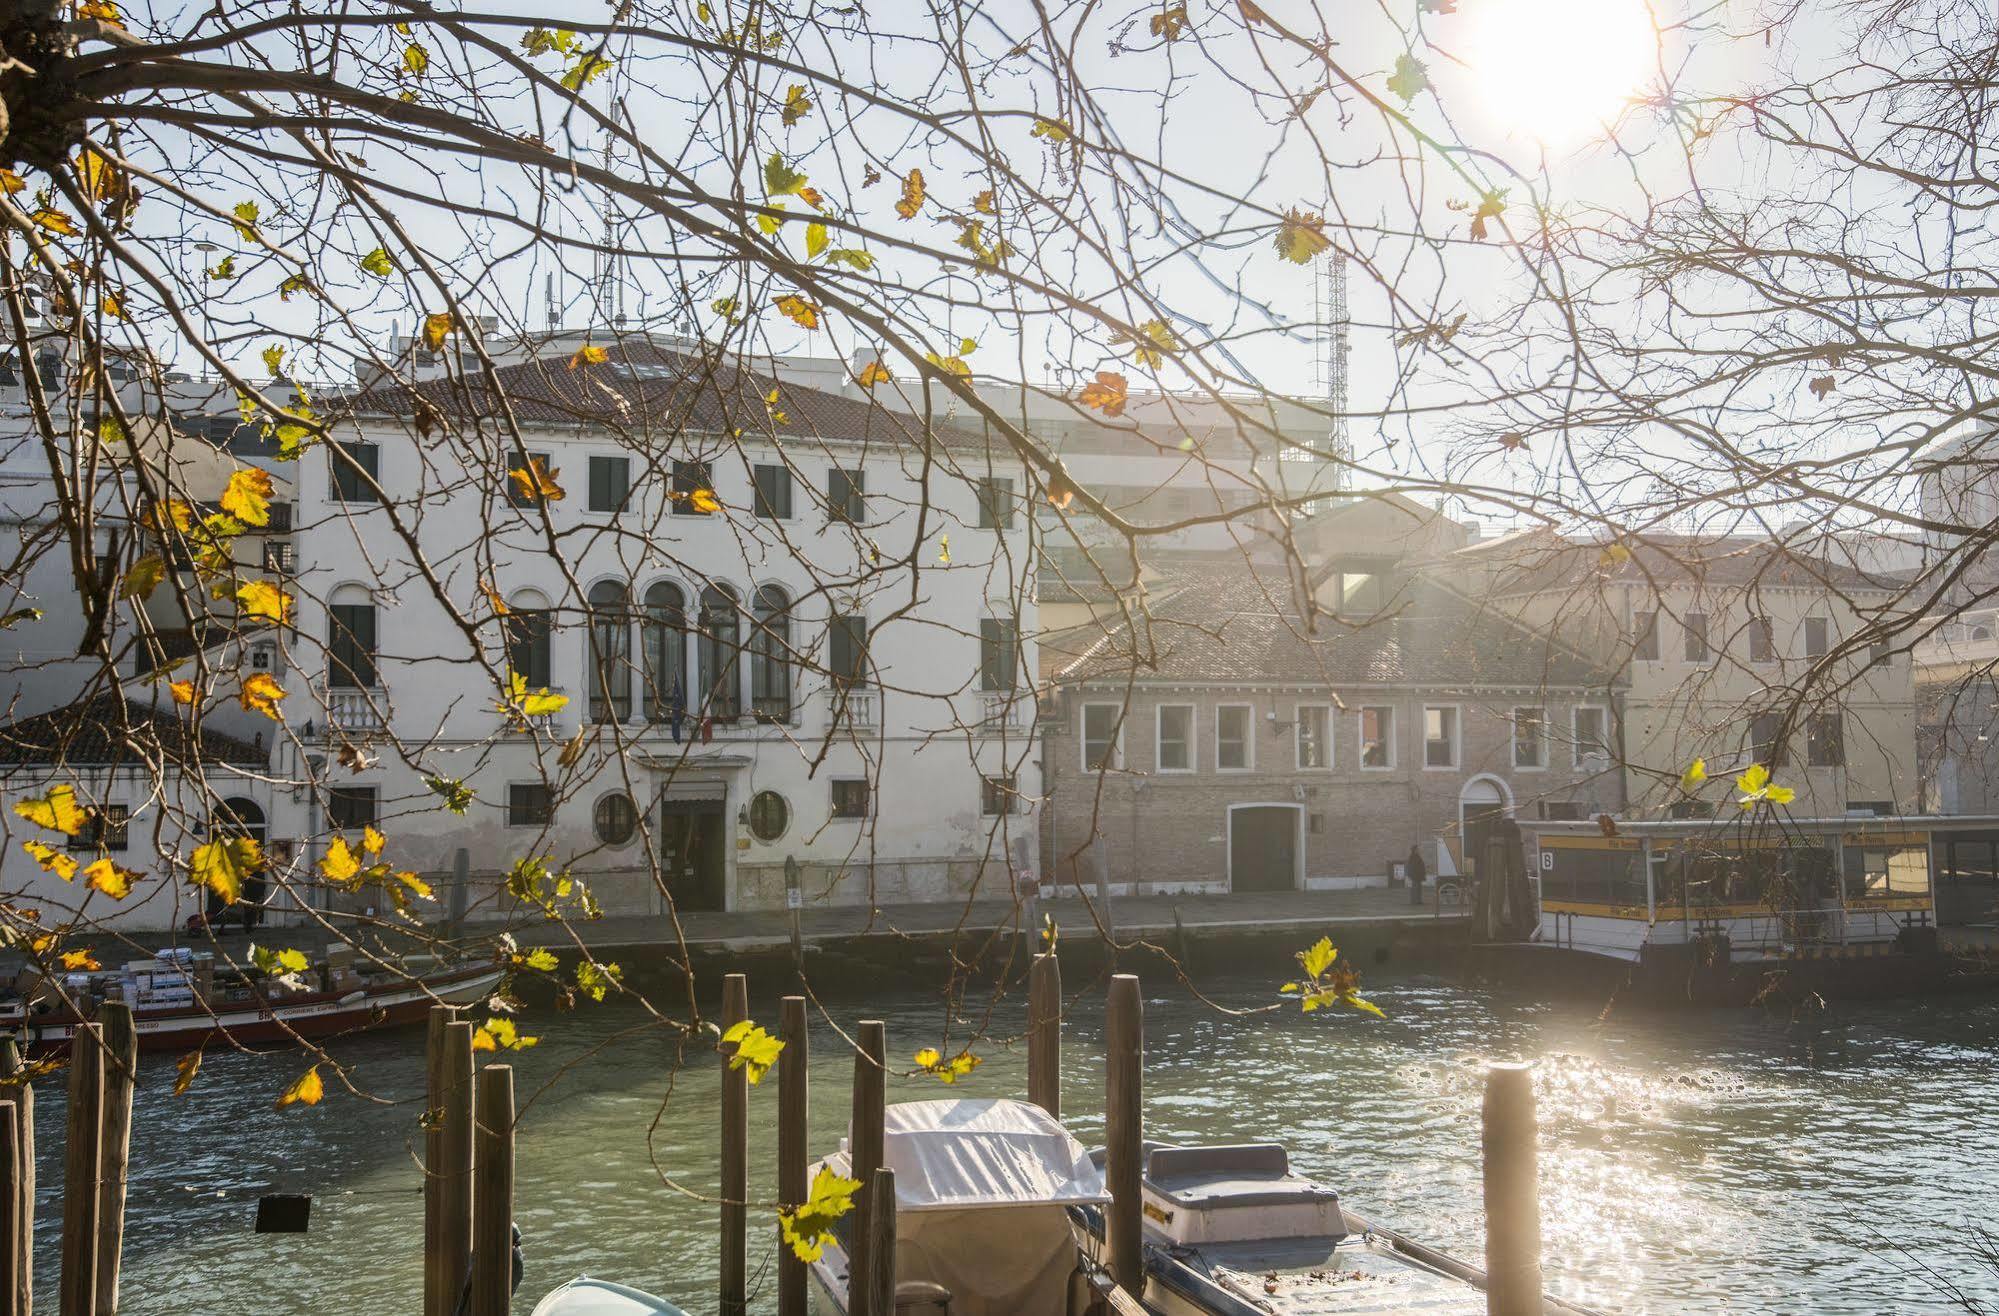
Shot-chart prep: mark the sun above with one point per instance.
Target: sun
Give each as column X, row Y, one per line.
column 1557, row 71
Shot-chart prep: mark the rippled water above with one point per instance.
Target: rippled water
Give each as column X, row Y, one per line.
column 1691, row 1163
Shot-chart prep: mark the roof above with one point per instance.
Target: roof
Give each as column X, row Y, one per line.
column 645, row 387
column 1245, row 627
column 110, row 729
column 1531, row 561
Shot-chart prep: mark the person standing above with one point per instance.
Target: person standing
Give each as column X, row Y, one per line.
column 1417, row 872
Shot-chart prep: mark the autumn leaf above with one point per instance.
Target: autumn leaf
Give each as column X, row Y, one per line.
column 1301, row 236
column 11, row 183
column 55, row 861
column 1169, row 22
column 339, row 864
column 143, row 577
column 223, row 269
column 801, row 312
column 523, row 702
column 704, row 501
column 457, row 795
column 796, row 105
column 1318, row 957
column 438, row 327
column 1821, row 386
column 589, row 355
column 310, row 1090
column 912, row 195
column 1327, row 983
column 1155, row 338
column 274, row 358
column 874, row 372
column 583, row 67
column 1409, row 79
column 1614, row 554
column 807, row 1227
column 944, row 550
column 1755, row 784
column 1513, row 441
column 535, row 482
column 222, row 865
column 1695, row 774
column 781, row 179
column 102, row 180
column 754, row 1050
column 372, row 840
column 416, row 60
column 1106, row 393
column 80, row 961
column 540, row 959
column 248, row 496
column 246, row 220
column 501, row 1035
column 985, row 203
column 58, row 811
column 260, row 598
column 1055, row 131
column 185, row 1069
column 594, row 979
column 1606, row 824
column 815, row 239
column 1489, row 207
column 931, row 1061
column 378, row 263
column 50, row 220
column 852, row 257
column 260, row 694
column 110, row 878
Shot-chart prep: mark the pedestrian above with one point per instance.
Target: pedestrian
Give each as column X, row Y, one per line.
column 1416, row 872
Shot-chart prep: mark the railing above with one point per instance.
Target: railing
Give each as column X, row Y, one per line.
column 1006, row 712
column 855, row 707
column 353, row 709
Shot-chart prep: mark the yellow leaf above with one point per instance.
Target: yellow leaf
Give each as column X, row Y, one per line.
column 815, row 239
column 104, row 11
column 501, row 1035
column 912, row 194
column 1169, row 22
column 541, row 960
column 143, row 577
column 521, row 700
column 246, row 220
column 796, row 105
column 801, row 312
column 589, row 355
column 1695, row 774
column 807, row 1227
column 535, row 482
column 1319, row 957
column 1613, row 554
column 985, row 204
column 11, row 183
column 185, row 1069
column 596, row 980
column 755, row 1051
column 436, row 328
column 55, row 221
column 183, row 691
column 1301, row 237
column 222, row 865
column 378, row 263
column 932, row 1062
column 274, row 357
column 58, row 811
column 308, row 1091
column 1054, row 130
column 338, row 865
column 55, row 861
column 1754, row 780
column 418, row 887
column 80, row 961
column 260, row 598
column 110, row 878
column 1154, row 340
column 293, row 961
column 704, row 501
column 261, row 693
column 874, row 372
column 416, row 60
column 927, row 1057
column 372, row 841
column 1106, row 393
column 495, row 598
column 1780, row 795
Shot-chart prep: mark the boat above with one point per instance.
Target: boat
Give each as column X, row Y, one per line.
column 584, row 1296
column 180, row 1001
column 999, row 1210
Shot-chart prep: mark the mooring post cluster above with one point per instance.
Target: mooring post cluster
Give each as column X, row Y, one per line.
column 468, row 1190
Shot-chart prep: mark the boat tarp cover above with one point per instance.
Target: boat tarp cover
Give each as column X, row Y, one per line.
column 596, row 1297
column 971, row 1153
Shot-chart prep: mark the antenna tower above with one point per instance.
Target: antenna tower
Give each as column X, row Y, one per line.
column 1333, row 329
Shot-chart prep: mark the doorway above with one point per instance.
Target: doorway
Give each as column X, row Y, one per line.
column 692, row 857
column 1483, row 803
column 1263, row 847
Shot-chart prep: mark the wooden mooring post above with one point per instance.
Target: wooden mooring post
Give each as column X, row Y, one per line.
column 21, row 1216
column 1512, row 1193
column 83, row 1155
column 735, row 1272
column 864, row 1145
column 1124, row 1132
column 121, row 1072
column 880, row 1284
column 10, row 1203
column 447, row 1180
column 493, row 1195
column 1044, row 1034
column 794, row 1102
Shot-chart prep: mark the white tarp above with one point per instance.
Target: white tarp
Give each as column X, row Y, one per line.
column 959, row 1154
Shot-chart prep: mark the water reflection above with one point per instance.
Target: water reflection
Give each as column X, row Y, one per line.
column 1690, row 1163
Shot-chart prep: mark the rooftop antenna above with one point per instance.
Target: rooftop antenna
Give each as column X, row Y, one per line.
column 551, row 313
column 1329, row 363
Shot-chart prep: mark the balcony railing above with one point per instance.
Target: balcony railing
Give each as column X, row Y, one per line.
column 352, row 710
column 855, row 708
column 1006, row 712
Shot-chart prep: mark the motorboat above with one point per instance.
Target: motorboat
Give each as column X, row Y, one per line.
column 595, row 1297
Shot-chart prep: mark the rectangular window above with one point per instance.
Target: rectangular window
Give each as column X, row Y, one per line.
column 1762, row 646
column 999, row 653
column 847, row 496
column 1561, row 811
column 998, row 797
column 108, row 828
column 1766, row 743
column 1645, row 637
column 1315, row 736
column 995, row 494
column 351, row 485
column 1530, row 737
column 850, row 797
column 530, row 804
column 847, row 649
column 1592, row 728
column 350, row 808
column 689, row 479
column 773, row 492
column 1818, row 637
column 1101, row 733
column 1878, row 654
column 529, row 631
column 1825, row 741
column 610, row 483
column 1176, row 737
column 1232, row 747
column 1440, row 737
column 1694, row 643
column 351, row 664
column 519, row 494
column 1377, row 737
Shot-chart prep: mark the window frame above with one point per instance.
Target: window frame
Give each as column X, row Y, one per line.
column 1386, row 740
column 1248, row 711
column 547, row 807
column 996, row 501
column 521, row 459
column 1779, row 755
column 852, row 508
column 1005, row 788
column 341, row 478
column 531, row 630
column 366, row 672
column 1762, row 640
column 1577, row 755
column 1540, row 738
column 999, row 648
column 107, row 828
column 1645, row 646
column 1456, row 739
column 350, row 792
column 690, row 474
column 1190, row 743
column 1814, row 652
column 1691, row 634
column 606, row 462
column 1327, row 738
column 780, row 481
column 840, row 813
column 1814, row 726
column 842, row 626
column 750, row 810
column 1114, row 757
column 597, row 818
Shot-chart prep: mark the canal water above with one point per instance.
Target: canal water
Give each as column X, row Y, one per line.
column 1730, row 1161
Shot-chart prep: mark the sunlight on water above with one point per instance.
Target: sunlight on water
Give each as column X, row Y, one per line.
column 1696, row 1163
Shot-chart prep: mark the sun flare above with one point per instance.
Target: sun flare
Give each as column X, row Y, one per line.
column 1557, row 70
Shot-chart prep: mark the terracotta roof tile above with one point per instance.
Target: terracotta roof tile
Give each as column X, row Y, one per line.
column 106, row 729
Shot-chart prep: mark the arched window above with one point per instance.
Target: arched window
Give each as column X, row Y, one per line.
column 664, row 646
column 350, row 640
column 721, row 640
column 610, row 656
column 529, row 627
column 770, row 656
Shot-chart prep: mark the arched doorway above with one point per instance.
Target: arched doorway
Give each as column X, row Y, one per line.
column 1484, row 801
column 1263, row 847
column 237, row 816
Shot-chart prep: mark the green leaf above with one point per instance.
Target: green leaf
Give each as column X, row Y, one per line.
column 457, row 795
column 377, row 263
column 246, row 220
column 852, row 257
column 755, row 1050
column 1409, row 79
column 779, row 178
column 807, row 1227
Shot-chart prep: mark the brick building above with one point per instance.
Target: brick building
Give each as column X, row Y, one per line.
column 1238, row 739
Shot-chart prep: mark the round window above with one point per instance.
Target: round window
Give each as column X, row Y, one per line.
column 617, row 819
column 769, row 815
